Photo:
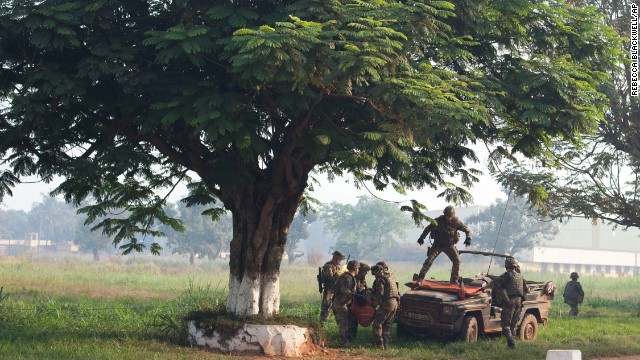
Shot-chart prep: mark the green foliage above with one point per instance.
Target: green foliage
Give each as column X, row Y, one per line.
column 596, row 178
column 126, row 99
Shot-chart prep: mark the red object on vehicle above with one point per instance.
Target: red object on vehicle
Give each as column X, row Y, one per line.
column 462, row 292
column 364, row 314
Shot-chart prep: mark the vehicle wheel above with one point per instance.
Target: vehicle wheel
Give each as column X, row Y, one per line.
column 401, row 331
column 529, row 328
column 469, row 329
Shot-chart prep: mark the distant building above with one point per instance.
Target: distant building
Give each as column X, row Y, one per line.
column 587, row 248
column 35, row 246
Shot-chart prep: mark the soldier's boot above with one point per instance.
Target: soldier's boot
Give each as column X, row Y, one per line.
column 511, row 343
column 345, row 342
column 386, row 340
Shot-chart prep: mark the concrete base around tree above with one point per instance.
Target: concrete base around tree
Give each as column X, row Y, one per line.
column 272, row 340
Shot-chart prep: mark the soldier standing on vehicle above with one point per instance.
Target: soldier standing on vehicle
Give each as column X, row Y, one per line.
column 329, row 279
column 511, row 288
column 344, row 291
column 445, row 235
column 385, row 296
column 573, row 294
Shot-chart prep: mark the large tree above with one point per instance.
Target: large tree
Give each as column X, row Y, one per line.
column 244, row 99
column 509, row 226
column 367, row 230
column 600, row 178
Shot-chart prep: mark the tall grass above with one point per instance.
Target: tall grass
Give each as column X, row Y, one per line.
column 135, row 309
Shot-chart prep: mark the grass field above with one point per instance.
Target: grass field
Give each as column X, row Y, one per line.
column 132, row 309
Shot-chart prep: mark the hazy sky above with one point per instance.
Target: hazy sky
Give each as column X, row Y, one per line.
column 341, row 190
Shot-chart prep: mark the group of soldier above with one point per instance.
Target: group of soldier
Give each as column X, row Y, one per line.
column 340, row 290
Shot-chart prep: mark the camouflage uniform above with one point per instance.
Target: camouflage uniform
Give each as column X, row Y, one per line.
column 361, row 288
column 344, row 291
column 385, row 296
column 329, row 279
column 445, row 235
column 512, row 287
column 573, row 294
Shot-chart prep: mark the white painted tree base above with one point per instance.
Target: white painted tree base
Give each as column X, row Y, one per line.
column 273, row 340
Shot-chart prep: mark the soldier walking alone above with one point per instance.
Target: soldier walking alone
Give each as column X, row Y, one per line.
column 344, row 291
column 329, row 279
column 445, row 235
column 385, row 296
column 511, row 288
column 573, row 294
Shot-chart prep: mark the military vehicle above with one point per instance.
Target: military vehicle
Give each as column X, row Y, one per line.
column 470, row 308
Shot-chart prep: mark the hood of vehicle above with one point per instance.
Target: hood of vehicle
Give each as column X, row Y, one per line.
column 431, row 295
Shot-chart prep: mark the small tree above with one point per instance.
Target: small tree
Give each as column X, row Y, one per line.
column 201, row 236
column 508, row 227
column 365, row 230
column 89, row 240
column 53, row 220
column 298, row 231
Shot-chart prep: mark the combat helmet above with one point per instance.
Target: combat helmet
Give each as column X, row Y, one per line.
column 364, row 267
column 574, row 275
column 375, row 269
column 353, row 265
column 338, row 255
column 510, row 263
column 450, row 211
column 383, row 265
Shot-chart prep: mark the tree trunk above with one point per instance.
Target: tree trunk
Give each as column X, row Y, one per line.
column 96, row 255
column 259, row 237
column 192, row 259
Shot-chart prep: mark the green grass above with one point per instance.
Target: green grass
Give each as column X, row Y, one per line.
column 135, row 308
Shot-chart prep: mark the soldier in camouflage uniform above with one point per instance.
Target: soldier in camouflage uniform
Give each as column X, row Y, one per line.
column 445, row 235
column 361, row 289
column 344, row 291
column 573, row 294
column 329, row 280
column 511, row 288
column 385, row 296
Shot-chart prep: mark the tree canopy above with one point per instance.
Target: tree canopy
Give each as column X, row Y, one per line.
column 597, row 178
column 244, row 99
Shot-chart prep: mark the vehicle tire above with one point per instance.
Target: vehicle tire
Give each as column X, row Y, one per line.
column 529, row 328
column 469, row 329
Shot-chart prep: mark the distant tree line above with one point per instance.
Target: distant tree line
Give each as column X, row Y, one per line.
column 369, row 229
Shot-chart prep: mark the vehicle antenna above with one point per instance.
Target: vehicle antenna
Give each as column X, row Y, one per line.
column 499, row 229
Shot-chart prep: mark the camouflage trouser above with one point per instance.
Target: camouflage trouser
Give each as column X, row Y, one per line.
column 574, row 307
column 382, row 321
column 326, row 305
column 353, row 325
column 509, row 317
column 342, row 315
column 433, row 253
